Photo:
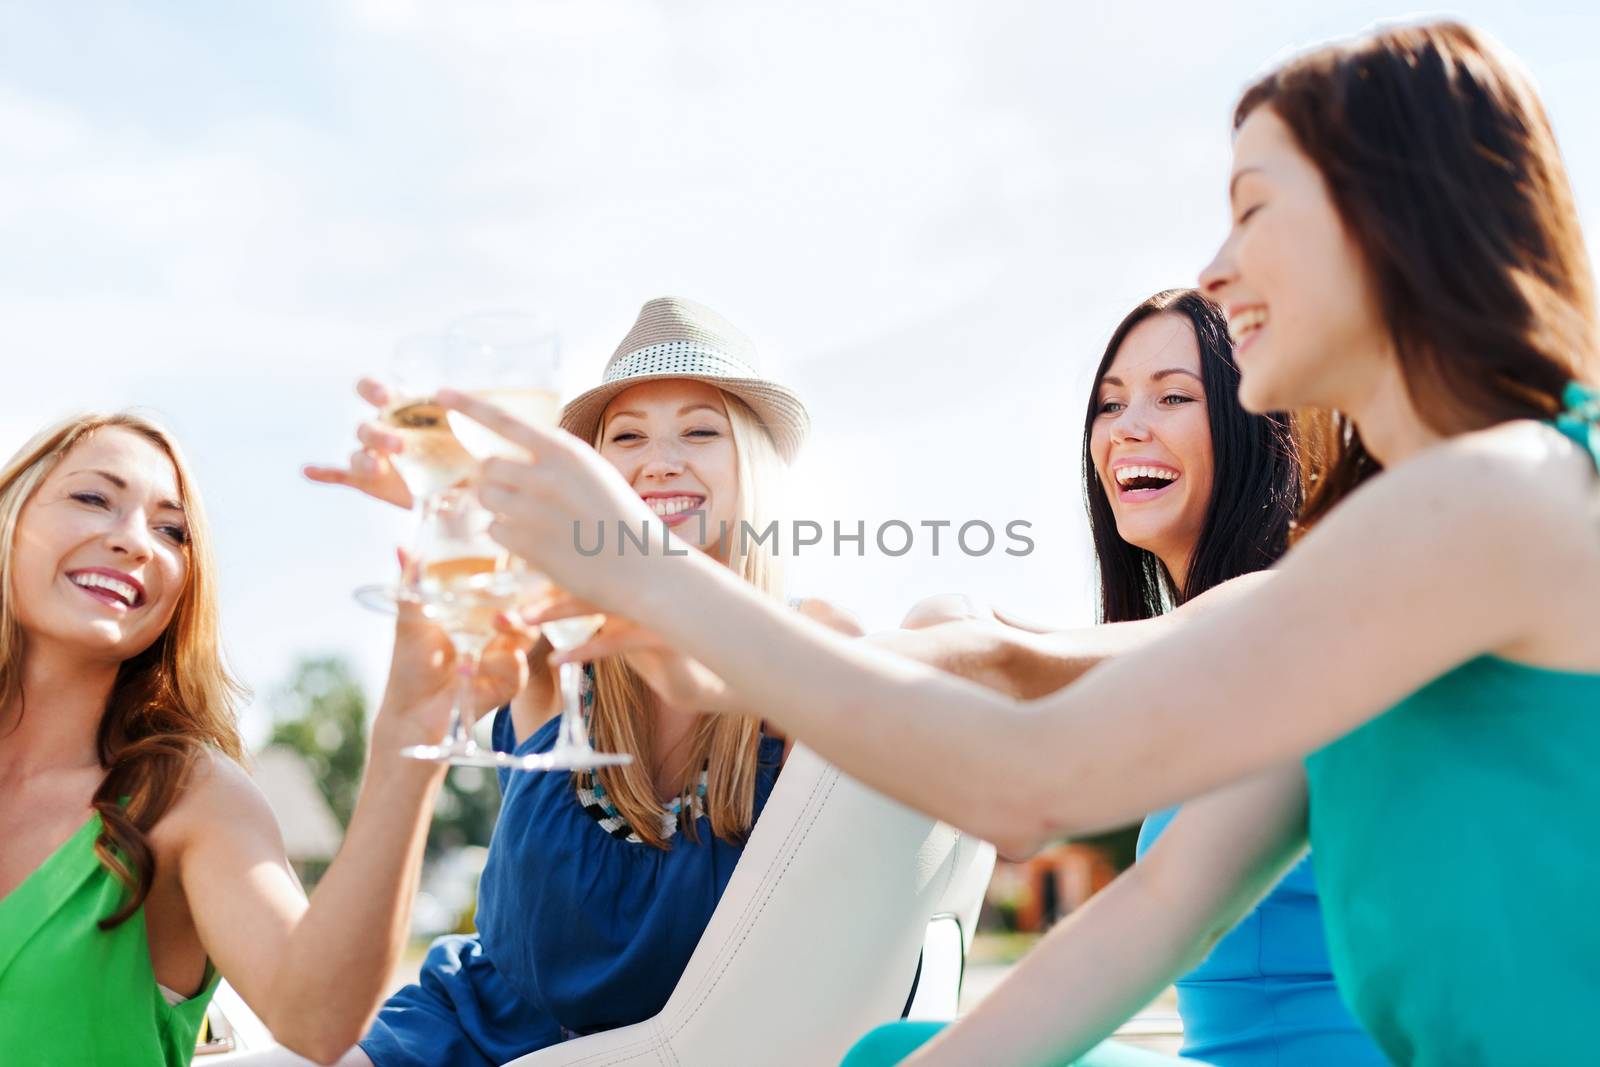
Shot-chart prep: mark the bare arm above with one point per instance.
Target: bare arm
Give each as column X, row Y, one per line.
column 315, row 973
column 1446, row 557
column 1028, row 664
column 1155, row 922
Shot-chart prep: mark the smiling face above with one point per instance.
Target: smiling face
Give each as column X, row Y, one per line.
column 1151, row 440
column 671, row 439
column 100, row 554
column 1299, row 297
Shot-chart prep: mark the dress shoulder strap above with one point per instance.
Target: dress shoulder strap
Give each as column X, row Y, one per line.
column 1579, row 418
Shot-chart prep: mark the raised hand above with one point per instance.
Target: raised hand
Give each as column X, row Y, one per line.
column 681, row 682
column 540, row 501
column 371, row 469
column 423, row 676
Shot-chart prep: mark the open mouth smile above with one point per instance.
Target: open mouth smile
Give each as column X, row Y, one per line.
column 1139, row 483
column 674, row 509
column 109, row 587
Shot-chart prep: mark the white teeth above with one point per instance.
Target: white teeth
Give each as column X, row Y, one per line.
column 1246, row 323
column 672, row 505
column 1125, row 475
column 126, row 592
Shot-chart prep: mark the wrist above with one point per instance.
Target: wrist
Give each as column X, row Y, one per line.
column 389, row 737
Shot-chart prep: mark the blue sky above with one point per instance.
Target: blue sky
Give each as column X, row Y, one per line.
column 928, row 216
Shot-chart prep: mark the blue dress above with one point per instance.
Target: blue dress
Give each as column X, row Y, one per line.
column 1265, row 995
column 580, row 929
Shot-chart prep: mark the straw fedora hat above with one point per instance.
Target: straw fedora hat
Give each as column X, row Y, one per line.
column 676, row 338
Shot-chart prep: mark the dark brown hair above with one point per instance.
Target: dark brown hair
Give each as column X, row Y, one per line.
column 1255, row 487
column 1444, row 170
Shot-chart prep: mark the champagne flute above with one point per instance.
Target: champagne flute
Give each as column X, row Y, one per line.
column 573, row 750
column 513, row 361
column 521, row 339
column 460, row 585
column 431, row 460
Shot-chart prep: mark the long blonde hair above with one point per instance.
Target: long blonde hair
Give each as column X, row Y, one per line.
column 169, row 703
column 728, row 746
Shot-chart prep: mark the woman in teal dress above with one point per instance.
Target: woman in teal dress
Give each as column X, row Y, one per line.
column 1186, row 491
column 1415, row 688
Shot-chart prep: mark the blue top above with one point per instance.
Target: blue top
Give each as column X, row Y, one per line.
column 1265, row 995
column 592, row 927
column 579, row 928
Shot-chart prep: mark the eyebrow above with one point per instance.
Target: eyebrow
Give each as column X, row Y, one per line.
column 121, row 483
column 1240, row 173
column 1156, row 377
column 681, row 411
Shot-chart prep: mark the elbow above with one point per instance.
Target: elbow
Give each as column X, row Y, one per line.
column 325, row 1044
column 1016, row 831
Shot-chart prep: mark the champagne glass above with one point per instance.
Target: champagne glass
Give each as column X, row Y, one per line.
column 520, row 339
column 460, row 585
column 572, row 750
column 431, row 460
column 513, row 361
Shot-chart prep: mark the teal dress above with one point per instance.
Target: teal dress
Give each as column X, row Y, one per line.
column 1459, row 858
column 1458, row 861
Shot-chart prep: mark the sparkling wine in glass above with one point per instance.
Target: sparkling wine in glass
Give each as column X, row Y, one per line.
column 460, row 585
column 430, row 460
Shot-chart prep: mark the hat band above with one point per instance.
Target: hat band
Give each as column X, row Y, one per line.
column 678, row 357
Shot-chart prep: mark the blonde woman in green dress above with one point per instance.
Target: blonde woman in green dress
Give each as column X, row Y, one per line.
column 138, row 862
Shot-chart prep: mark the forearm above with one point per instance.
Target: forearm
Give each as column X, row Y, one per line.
column 889, row 722
column 337, row 962
column 1151, row 925
column 1090, row 974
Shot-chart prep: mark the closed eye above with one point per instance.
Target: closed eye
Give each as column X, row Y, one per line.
column 702, row 433
column 176, row 534
column 627, row 435
column 1244, row 218
column 94, row 500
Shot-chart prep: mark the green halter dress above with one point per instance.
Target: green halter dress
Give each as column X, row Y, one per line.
column 73, row 995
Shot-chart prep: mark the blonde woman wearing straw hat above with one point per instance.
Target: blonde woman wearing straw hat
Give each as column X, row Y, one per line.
column 598, row 886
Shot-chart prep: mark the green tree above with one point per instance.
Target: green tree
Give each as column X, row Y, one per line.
column 321, row 713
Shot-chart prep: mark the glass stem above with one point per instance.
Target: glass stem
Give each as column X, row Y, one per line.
column 461, row 710
column 574, row 736
column 423, row 507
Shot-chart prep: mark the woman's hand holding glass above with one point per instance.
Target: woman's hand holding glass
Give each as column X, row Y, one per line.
column 680, row 681
column 424, row 687
column 543, row 500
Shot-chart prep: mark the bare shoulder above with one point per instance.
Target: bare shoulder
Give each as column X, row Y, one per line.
column 832, row 616
column 1494, row 532
column 1521, row 486
column 219, row 795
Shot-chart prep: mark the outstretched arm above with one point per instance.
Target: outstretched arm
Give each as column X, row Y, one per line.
column 315, row 973
column 1028, row 664
column 1154, row 923
column 1418, row 571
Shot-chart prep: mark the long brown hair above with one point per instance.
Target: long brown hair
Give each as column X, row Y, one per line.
column 1444, row 170
column 727, row 746
column 169, row 703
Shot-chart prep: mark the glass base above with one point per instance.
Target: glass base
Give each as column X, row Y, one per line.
column 582, row 760
column 474, row 756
